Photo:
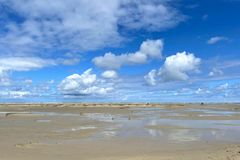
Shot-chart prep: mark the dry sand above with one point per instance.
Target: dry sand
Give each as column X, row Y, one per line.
column 119, row 131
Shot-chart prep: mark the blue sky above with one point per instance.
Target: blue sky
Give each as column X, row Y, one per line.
column 119, row 51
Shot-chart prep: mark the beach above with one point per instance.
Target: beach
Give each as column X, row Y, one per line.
column 108, row 131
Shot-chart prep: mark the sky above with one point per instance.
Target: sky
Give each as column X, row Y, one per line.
column 119, row 51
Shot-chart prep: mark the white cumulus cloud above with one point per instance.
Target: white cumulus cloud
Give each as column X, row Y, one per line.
column 152, row 48
column 177, row 67
column 150, row 78
column 148, row 49
column 109, row 74
column 84, row 84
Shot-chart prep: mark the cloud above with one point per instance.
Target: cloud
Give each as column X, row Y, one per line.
column 28, row 81
column 69, row 59
column 65, row 25
column 51, row 81
column 109, row 74
column 223, row 87
column 84, row 84
column 36, row 27
column 152, row 48
column 112, row 61
column 23, row 63
column 70, row 62
column 217, row 39
column 215, row 72
column 229, row 64
column 15, row 63
column 148, row 49
column 16, row 87
column 14, row 94
column 149, row 15
column 5, row 80
column 175, row 68
column 203, row 91
column 150, row 78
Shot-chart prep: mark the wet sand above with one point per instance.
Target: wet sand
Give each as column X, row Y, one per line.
column 119, row 131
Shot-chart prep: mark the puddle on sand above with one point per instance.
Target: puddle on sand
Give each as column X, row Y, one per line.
column 183, row 135
column 208, row 112
column 176, row 130
column 103, row 117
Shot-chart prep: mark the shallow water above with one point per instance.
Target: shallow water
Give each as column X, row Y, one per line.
column 160, row 124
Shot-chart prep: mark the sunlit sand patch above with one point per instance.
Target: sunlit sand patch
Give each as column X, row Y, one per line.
column 73, row 129
column 109, row 133
column 83, row 128
column 43, row 120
